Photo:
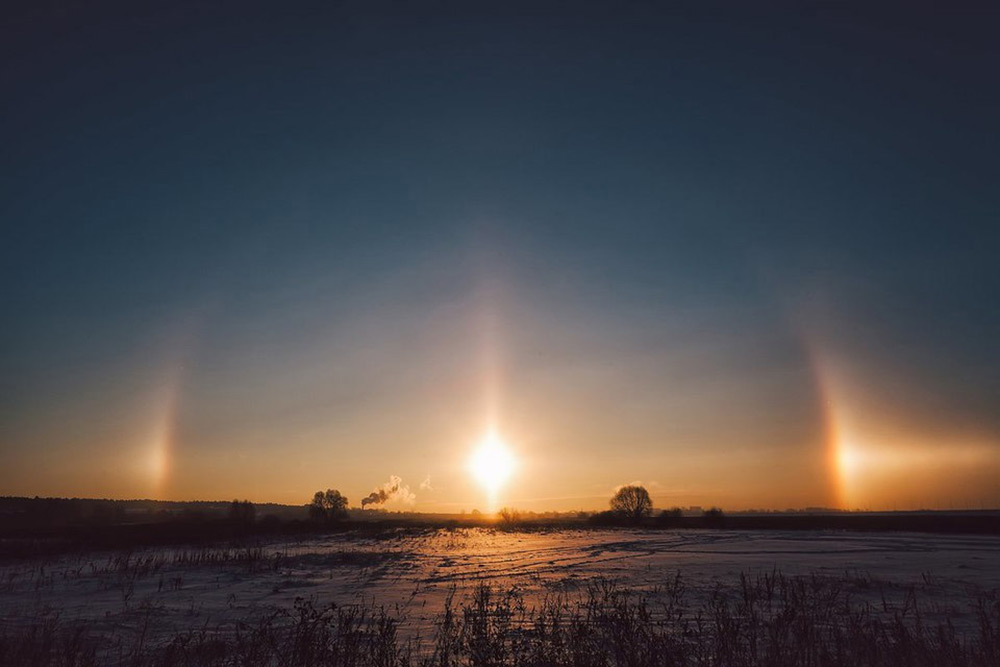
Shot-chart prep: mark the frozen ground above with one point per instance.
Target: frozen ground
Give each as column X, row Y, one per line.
column 160, row 592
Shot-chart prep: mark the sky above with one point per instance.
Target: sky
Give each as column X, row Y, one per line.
column 747, row 257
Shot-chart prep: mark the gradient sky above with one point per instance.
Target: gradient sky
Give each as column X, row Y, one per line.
column 746, row 257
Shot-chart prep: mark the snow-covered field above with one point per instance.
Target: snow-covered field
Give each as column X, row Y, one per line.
column 163, row 591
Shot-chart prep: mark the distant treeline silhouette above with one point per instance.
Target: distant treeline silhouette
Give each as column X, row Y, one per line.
column 41, row 526
column 18, row 512
column 242, row 511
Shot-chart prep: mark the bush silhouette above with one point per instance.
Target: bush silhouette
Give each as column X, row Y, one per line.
column 328, row 506
column 242, row 511
column 671, row 517
column 714, row 517
column 605, row 518
column 632, row 502
column 509, row 516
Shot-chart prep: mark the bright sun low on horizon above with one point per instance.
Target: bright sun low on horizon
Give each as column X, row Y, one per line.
column 492, row 463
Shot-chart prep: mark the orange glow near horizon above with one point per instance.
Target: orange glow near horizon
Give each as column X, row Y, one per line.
column 492, row 465
column 156, row 456
column 581, row 428
column 879, row 463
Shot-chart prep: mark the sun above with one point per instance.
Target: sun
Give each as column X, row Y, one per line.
column 492, row 463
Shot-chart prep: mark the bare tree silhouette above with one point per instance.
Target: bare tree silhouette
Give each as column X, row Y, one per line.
column 632, row 502
column 328, row 506
column 509, row 516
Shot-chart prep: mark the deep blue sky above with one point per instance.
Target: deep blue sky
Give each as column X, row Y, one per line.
column 675, row 216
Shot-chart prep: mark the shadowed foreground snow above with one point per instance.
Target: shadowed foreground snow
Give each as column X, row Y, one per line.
column 166, row 591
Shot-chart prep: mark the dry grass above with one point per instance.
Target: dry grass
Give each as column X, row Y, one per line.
column 768, row 620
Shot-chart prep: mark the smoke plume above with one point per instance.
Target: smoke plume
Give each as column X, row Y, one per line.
column 392, row 491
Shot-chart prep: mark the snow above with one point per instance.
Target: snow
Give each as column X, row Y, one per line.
column 412, row 573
